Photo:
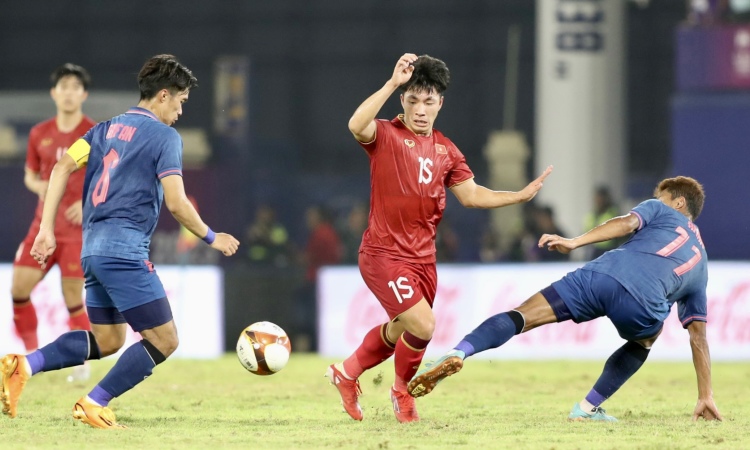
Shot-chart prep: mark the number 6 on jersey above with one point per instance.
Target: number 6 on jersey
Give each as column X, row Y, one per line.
column 102, row 185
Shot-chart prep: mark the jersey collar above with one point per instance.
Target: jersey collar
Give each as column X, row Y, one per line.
column 141, row 111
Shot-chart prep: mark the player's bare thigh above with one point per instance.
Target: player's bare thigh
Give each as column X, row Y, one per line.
column 24, row 281
column 536, row 312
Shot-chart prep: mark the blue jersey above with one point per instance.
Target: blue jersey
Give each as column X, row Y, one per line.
column 128, row 157
column 662, row 263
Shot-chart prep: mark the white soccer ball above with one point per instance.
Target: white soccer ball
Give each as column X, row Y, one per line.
column 263, row 348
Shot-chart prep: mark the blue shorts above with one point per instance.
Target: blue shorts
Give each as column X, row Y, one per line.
column 589, row 295
column 122, row 290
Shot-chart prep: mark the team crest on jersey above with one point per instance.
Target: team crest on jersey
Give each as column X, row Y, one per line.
column 440, row 149
column 45, row 142
column 409, row 143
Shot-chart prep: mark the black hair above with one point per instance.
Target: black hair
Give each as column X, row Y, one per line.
column 430, row 74
column 71, row 69
column 686, row 187
column 164, row 72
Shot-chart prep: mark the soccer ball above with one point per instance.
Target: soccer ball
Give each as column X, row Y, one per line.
column 263, row 348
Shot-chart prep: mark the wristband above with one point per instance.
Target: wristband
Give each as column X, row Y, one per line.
column 210, row 237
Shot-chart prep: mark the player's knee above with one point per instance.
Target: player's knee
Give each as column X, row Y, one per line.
column 18, row 290
column 73, row 297
column 166, row 343
column 109, row 345
column 424, row 327
column 171, row 344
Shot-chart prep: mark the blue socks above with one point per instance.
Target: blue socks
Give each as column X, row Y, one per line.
column 135, row 365
column 492, row 333
column 617, row 370
column 70, row 349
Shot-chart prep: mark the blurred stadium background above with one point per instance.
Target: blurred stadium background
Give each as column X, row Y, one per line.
column 614, row 93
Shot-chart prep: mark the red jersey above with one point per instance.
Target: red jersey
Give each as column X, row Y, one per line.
column 46, row 146
column 408, row 176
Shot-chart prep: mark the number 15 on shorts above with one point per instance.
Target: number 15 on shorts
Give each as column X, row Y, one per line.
column 401, row 289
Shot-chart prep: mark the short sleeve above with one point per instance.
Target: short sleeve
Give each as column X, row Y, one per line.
column 33, row 162
column 169, row 160
column 89, row 136
column 381, row 135
column 692, row 307
column 647, row 211
column 460, row 171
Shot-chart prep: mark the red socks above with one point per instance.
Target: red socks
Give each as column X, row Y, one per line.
column 24, row 317
column 78, row 320
column 375, row 349
column 409, row 352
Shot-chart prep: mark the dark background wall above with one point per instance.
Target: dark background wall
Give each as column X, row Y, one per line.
column 312, row 63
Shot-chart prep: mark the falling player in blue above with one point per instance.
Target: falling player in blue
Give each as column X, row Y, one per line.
column 134, row 162
column 634, row 285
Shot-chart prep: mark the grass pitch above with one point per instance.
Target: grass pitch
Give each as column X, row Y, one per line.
column 489, row 405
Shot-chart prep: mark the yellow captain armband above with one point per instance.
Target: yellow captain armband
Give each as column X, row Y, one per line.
column 79, row 151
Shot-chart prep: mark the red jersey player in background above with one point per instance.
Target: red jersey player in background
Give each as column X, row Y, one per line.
column 410, row 166
column 48, row 141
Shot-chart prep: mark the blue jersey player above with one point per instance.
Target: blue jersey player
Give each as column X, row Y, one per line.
column 635, row 285
column 134, row 162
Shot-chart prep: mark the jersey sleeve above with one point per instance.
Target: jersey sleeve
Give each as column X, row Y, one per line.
column 79, row 151
column 692, row 307
column 169, row 160
column 381, row 135
column 647, row 211
column 460, row 171
column 33, row 162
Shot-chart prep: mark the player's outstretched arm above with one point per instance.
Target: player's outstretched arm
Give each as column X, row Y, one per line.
column 472, row 195
column 44, row 244
column 705, row 407
column 182, row 210
column 611, row 229
column 362, row 123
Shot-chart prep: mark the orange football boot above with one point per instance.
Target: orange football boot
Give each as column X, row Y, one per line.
column 95, row 415
column 15, row 376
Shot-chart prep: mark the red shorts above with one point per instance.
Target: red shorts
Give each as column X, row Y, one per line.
column 67, row 255
column 398, row 285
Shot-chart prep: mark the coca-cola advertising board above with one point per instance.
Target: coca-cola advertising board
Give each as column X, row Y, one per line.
column 195, row 293
column 468, row 294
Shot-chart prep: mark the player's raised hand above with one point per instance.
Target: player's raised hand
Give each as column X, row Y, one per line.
column 226, row 244
column 404, row 68
column 557, row 243
column 44, row 246
column 533, row 188
column 74, row 213
column 707, row 409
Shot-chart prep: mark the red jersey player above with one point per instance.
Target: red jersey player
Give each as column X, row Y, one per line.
column 48, row 141
column 410, row 166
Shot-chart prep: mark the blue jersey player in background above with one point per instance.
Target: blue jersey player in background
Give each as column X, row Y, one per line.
column 634, row 285
column 134, row 162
